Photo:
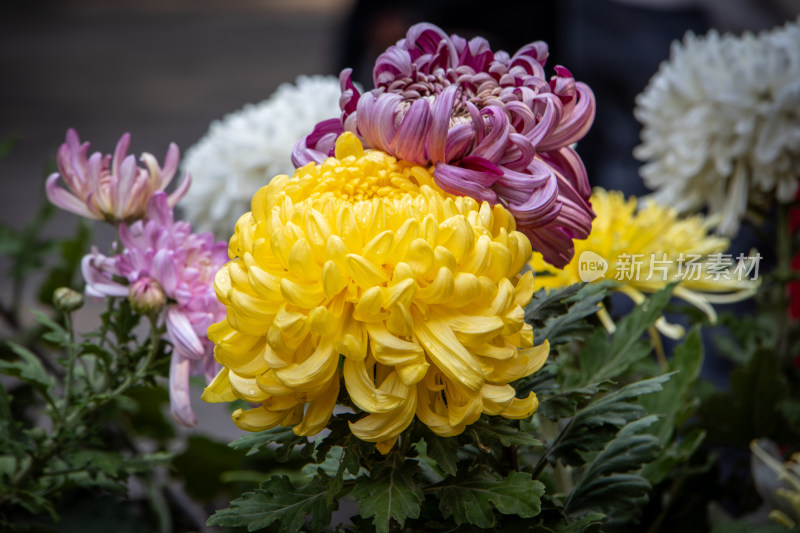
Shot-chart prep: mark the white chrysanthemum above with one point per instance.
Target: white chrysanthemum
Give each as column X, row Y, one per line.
column 242, row 152
column 722, row 123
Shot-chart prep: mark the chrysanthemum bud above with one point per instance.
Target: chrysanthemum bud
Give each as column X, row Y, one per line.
column 146, row 296
column 67, row 300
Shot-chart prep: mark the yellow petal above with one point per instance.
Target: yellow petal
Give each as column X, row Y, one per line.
column 364, row 273
column 420, row 256
column 314, row 371
column 440, row 289
column 447, row 353
column 353, row 343
column 305, row 296
column 302, row 263
column 368, row 308
column 246, row 388
column 377, row 249
column 385, row 426
column 319, row 411
column 522, row 407
column 471, row 329
column 219, row 390
column 333, row 281
column 257, row 419
column 363, row 392
column 391, row 350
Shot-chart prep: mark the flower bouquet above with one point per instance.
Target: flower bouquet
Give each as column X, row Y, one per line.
column 415, row 316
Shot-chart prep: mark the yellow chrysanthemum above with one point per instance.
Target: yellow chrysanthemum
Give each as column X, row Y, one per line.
column 645, row 250
column 363, row 256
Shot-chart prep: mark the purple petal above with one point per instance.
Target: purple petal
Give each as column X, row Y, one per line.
column 66, row 200
column 165, row 271
column 441, row 112
column 180, row 403
column 578, row 120
column 472, row 177
column 314, row 147
column 120, row 152
column 178, row 193
column 182, row 335
column 348, row 101
column 98, row 271
column 409, row 141
column 554, row 243
column 375, row 117
column 170, row 166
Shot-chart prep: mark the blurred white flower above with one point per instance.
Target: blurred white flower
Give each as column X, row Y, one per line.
column 242, row 152
column 722, row 123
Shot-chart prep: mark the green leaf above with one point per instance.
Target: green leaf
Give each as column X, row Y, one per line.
column 558, row 314
column 390, row 492
column 672, row 401
column 590, row 522
column 491, row 429
column 64, row 273
column 748, row 410
column 256, row 442
column 603, row 359
column 95, row 461
column 277, row 501
column 29, row 369
column 610, row 482
column 55, row 332
column 443, row 450
column 475, row 497
column 598, row 422
column 674, row 406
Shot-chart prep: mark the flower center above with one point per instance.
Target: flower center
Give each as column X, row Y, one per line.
column 358, row 175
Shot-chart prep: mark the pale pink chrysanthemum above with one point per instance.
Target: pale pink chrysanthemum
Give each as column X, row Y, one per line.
column 183, row 263
column 492, row 125
column 113, row 189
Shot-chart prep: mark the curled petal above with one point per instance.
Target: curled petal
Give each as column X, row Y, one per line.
column 183, row 336
column 180, row 403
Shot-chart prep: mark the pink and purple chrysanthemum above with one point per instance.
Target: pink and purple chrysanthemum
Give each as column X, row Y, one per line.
column 492, row 125
column 159, row 249
column 110, row 189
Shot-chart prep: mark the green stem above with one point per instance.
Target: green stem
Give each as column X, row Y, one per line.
column 71, row 356
column 537, row 470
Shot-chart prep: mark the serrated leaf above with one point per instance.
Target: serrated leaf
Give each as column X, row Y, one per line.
column 277, row 501
column 610, row 482
column 95, row 461
column 389, row 493
column 559, row 314
column 603, row 358
column 29, row 369
column 674, row 406
column 473, row 497
column 253, row 443
column 672, row 400
column 598, row 422
column 489, row 430
column 443, row 450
